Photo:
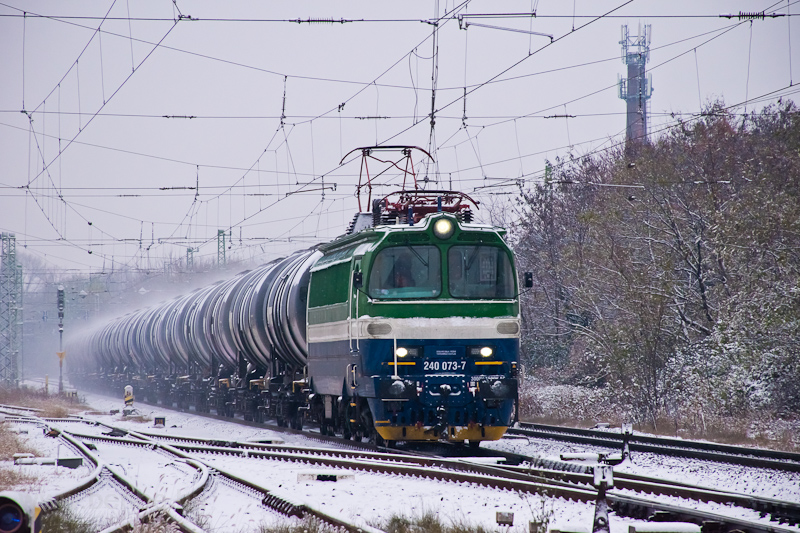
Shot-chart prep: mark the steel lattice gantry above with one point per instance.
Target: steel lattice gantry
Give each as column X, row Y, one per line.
column 10, row 311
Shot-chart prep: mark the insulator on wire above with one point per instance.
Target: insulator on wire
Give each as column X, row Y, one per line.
column 751, row 15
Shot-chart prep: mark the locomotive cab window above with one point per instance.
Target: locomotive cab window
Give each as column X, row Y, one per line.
column 406, row 272
column 480, row 272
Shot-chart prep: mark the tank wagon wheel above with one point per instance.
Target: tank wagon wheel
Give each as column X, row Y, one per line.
column 297, row 421
column 326, row 429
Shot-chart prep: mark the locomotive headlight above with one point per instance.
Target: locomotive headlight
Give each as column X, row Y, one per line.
column 486, row 351
column 443, row 228
column 401, row 352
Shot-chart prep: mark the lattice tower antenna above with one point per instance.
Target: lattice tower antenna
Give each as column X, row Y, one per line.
column 637, row 87
column 10, row 311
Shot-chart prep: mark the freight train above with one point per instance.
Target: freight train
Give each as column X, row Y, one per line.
column 404, row 329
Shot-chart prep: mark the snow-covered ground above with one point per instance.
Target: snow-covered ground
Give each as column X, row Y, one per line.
column 755, row 481
column 365, row 498
column 47, row 479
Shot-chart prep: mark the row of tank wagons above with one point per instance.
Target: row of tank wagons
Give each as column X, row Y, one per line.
column 212, row 325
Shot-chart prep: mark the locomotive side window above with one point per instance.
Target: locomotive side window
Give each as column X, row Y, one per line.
column 480, row 272
column 406, row 272
column 328, row 286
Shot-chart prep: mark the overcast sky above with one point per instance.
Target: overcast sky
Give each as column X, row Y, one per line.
column 106, row 136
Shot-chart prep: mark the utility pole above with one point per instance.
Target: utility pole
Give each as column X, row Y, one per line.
column 637, row 87
column 60, row 353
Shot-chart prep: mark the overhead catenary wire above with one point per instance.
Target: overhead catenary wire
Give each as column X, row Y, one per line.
column 441, row 116
column 46, row 165
column 333, row 20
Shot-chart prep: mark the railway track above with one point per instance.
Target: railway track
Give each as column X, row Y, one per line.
column 531, row 476
column 754, row 457
column 208, row 482
column 105, row 481
column 574, row 484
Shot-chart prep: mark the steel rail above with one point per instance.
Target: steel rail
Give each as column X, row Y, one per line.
column 103, row 471
column 503, row 477
column 756, row 457
column 624, row 505
column 779, row 511
column 270, row 499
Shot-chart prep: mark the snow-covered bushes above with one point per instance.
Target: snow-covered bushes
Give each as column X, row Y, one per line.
column 667, row 275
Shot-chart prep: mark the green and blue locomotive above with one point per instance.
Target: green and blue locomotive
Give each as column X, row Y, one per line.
column 413, row 329
column 404, row 329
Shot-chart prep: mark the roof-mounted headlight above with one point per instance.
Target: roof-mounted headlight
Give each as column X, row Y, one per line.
column 443, row 228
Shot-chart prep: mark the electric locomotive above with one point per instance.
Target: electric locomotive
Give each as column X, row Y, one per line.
column 404, row 329
column 413, row 327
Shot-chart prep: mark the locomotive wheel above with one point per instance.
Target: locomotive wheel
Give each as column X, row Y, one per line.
column 369, row 428
column 375, row 439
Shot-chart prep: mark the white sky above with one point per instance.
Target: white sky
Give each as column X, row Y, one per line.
column 108, row 121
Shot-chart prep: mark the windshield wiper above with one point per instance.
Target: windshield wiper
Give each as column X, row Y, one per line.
column 472, row 258
column 421, row 260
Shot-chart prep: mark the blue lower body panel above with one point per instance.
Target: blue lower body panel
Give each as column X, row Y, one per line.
column 442, row 389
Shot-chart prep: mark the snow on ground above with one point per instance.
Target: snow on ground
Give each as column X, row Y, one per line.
column 366, row 498
column 746, row 480
column 177, row 423
column 225, row 507
column 158, row 474
column 48, row 479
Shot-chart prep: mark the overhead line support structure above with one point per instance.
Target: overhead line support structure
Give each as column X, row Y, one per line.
column 221, row 248
column 10, row 311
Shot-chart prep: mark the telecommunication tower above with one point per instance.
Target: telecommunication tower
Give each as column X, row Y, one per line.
column 637, row 87
column 10, row 311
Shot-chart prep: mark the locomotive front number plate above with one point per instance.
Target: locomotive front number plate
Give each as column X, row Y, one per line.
column 444, row 359
column 438, row 365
